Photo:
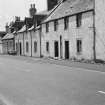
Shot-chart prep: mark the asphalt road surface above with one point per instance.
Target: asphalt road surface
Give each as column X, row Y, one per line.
column 24, row 83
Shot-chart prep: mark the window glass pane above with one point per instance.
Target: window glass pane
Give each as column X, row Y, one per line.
column 27, row 47
column 79, row 19
column 35, row 47
column 66, row 22
column 55, row 25
column 79, row 46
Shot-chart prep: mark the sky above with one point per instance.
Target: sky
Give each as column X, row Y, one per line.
column 11, row 8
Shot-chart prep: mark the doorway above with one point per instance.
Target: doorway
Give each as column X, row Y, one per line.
column 66, row 49
column 20, row 48
column 56, row 49
column 61, row 47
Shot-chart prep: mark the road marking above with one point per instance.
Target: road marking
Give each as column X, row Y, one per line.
column 102, row 92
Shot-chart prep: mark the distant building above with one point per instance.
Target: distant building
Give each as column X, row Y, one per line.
column 8, row 41
column 2, row 34
column 27, row 39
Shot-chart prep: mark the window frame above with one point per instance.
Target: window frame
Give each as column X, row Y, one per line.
column 47, row 46
column 79, row 46
column 55, row 25
column 79, row 19
column 35, row 46
column 27, row 47
column 66, row 23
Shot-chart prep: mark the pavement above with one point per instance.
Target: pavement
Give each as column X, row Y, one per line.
column 90, row 66
column 35, row 81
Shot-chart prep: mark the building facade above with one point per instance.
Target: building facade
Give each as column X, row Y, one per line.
column 28, row 38
column 8, row 42
column 2, row 34
column 28, row 43
column 70, row 29
column 68, row 32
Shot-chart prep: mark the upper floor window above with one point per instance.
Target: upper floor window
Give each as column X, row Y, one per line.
column 79, row 19
column 47, row 27
column 66, row 23
column 27, row 47
column 55, row 25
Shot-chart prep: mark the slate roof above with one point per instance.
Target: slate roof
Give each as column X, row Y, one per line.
column 46, row 12
column 30, row 29
column 8, row 36
column 70, row 7
column 43, row 13
column 17, row 25
column 22, row 29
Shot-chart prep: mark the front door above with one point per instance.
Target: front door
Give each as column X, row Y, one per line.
column 56, row 49
column 20, row 49
column 66, row 49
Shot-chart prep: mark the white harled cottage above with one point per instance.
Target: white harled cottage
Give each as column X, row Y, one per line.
column 68, row 31
column 75, row 30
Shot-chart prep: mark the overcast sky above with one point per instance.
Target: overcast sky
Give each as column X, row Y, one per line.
column 11, row 8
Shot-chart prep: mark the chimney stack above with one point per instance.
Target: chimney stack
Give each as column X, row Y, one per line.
column 32, row 10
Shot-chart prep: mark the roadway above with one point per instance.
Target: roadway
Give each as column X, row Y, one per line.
column 23, row 82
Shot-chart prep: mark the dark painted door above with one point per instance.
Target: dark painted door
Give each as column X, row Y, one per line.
column 20, row 49
column 66, row 49
column 56, row 49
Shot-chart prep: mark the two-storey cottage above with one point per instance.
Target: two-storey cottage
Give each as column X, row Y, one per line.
column 68, row 31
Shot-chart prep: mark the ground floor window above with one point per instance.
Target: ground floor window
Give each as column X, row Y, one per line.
column 47, row 47
column 35, row 46
column 79, row 46
column 27, row 47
